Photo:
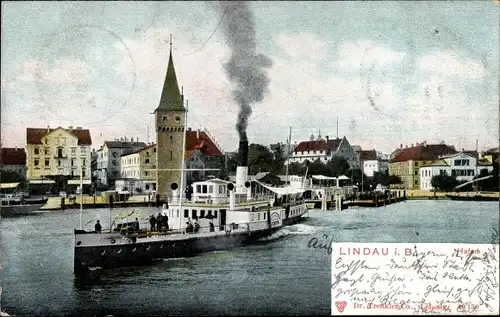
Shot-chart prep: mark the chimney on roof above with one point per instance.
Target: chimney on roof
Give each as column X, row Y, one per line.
column 189, row 129
column 48, row 128
column 132, row 139
column 412, row 145
column 198, row 133
column 78, row 128
column 70, row 127
column 326, row 137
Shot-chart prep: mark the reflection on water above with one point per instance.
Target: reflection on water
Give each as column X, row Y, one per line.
column 279, row 276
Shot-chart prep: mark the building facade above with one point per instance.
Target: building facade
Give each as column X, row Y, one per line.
column 58, row 154
column 407, row 162
column 138, row 171
column 202, row 152
column 109, row 159
column 462, row 166
column 324, row 150
column 169, row 123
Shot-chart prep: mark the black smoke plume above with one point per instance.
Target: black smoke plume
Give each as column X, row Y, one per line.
column 246, row 69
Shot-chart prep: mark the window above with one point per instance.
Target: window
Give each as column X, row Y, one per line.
column 145, row 173
column 47, row 162
column 186, row 213
column 83, row 173
column 177, row 118
column 265, row 216
column 193, row 214
column 82, row 149
column 210, row 189
column 204, row 189
column 147, row 161
column 147, row 153
column 115, row 154
column 221, row 189
column 215, row 213
column 73, row 151
column 72, row 162
column 209, row 213
column 170, row 155
column 58, row 162
column 36, row 162
column 198, row 188
column 47, row 150
column 37, row 151
column 83, row 162
column 113, row 162
column 202, row 213
column 258, row 216
column 164, row 118
column 154, row 150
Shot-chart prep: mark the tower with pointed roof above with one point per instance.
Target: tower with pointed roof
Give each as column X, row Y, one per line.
column 169, row 122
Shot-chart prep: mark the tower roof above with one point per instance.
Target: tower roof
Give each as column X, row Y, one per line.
column 171, row 98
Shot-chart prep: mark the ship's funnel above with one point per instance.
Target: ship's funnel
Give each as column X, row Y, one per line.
column 243, row 152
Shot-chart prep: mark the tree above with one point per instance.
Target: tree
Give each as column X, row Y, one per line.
column 296, row 169
column 444, row 182
column 338, row 166
column 394, row 180
column 260, row 158
column 278, row 159
column 318, row 168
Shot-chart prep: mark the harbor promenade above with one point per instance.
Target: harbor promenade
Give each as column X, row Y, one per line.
column 88, row 202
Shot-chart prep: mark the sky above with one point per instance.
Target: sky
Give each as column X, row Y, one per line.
column 394, row 73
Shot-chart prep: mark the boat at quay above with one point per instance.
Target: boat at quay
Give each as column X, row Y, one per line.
column 229, row 216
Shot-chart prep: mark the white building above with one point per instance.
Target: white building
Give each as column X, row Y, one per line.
column 58, row 154
column 372, row 161
column 109, row 159
column 460, row 165
column 137, row 171
column 324, row 150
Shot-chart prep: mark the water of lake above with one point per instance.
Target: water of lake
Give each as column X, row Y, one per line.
column 280, row 277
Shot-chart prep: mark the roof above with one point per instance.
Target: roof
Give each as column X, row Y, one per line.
column 493, row 150
column 370, row 155
column 195, row 140
column 468, row 153
column 483, row 162
column 121, row 145
column 13, row 156
column 170, row 95
column 429, row 152
column 35, row 135
column 318, row 145
column 437, row 163
column 140, row 150
column 200, row 140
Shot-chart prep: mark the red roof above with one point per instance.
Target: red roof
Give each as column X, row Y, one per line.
column 428, row 152
column 13, row 156
column 35, row 135
column 318, row 145
column 195, row 141
column 200, row 140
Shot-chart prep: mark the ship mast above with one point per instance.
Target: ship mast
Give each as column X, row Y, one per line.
column 288, row 160
column 182, row 164
column 81, row 198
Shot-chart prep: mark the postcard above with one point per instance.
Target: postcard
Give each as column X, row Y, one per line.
column 206, row 158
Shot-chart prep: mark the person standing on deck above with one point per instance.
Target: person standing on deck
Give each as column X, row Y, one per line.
column 212, row 227
column 159, row 222
column 136, row 225
column 165, row 222
column 152, row 222
column 98, row 227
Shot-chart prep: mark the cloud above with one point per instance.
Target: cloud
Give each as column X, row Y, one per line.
column 449, row 64
column 303, row 46
column 354, row 55
column 65, row 71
